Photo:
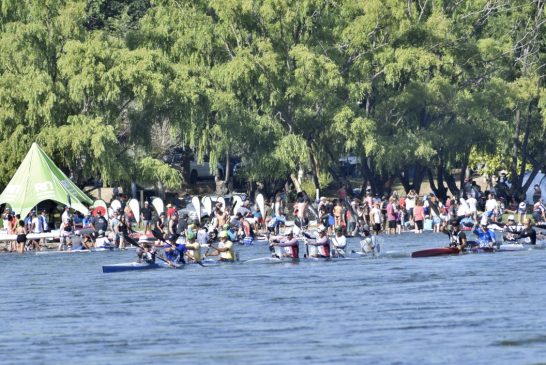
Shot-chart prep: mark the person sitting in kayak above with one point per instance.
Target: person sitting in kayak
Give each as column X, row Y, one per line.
column 528, row 232
column 146, row 254
column 369, row 243
column 289, row 245
column 322, row 243
column 486, row 237
column 457, row 238
column 512, row 229
column 225, row 249
column 340, row 243
column 193, row 247
column 174, row 253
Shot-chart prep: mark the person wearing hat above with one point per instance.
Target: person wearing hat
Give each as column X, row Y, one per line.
column 146, row 253
column 457, row 238
column 512, row 229
column 170, row 210
column 146, row 216
column 486, row 237
column 225, row 249
column 232, row 233
column 289, row 245
column 322, row 244
column 339, row 242
column 193, row 247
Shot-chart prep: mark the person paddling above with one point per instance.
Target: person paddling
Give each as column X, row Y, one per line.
column 174, row 253
column 322, row 243
column 369, row 244
column 225, row 249
column 528, row 232
column 146, row 254
column 193, row 247
column 339, row 242
column 512, row 229
column 457, row 238
column 486, row 237
column 289, row 245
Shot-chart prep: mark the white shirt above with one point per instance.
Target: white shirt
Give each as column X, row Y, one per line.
column 463, row 208
column 410, row 202
column 339, row 241
column 472, row 204
column 65, row 216
column 36, row 225
column 490, row 205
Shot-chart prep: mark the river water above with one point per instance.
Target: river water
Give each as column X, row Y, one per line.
column 468, row 309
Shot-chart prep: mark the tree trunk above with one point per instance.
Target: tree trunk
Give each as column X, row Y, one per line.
column 404, row 180
column 433, row 186
column 515, row 150
column 314, row 166
column 452, row 185
column 227, row 172
column 521, row 175
column 464, row 167
column 418, row 177
column 296, row 182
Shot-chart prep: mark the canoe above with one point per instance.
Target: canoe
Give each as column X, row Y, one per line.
column 136, row 266
column 441, row 251
column 57, row 252
column 129, row 266
column 512, row 247
column 290, row 260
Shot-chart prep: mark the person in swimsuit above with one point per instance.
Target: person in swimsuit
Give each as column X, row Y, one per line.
column 21, row 239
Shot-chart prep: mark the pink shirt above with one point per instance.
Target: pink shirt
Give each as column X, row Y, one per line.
column 419, row 213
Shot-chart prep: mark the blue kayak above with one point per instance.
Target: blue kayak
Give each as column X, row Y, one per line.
column 129, row 266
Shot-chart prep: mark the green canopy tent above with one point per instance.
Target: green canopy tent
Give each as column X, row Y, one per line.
column 38, row 179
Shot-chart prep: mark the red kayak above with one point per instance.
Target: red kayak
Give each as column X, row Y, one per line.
column 436, row 252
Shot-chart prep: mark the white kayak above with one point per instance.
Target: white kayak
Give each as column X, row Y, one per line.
column 512, row 247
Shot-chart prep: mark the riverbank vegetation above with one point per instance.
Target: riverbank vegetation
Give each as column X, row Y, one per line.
column 413, row 88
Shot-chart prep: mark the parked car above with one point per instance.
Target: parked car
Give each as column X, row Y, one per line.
column 196, row 171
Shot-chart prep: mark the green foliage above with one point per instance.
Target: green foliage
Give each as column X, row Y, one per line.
column 308, row 186
column 151, row 170
column 285, row 84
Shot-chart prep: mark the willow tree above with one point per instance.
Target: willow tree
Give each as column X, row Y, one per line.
column 80, row 93
column 419, row 72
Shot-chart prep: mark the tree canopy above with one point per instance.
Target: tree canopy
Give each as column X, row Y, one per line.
column 415, row 89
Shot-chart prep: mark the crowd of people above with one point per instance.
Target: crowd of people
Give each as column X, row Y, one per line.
column 396, row 213
column 346, row 215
